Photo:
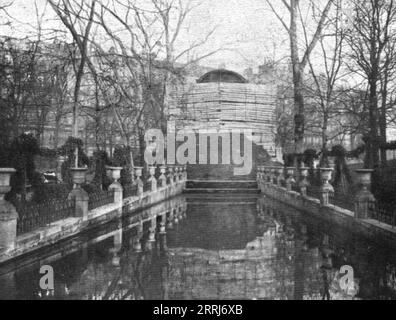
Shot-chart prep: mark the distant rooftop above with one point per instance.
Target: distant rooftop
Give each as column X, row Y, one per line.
column 222, row 75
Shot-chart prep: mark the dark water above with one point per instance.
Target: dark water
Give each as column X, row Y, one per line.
column 214, row 248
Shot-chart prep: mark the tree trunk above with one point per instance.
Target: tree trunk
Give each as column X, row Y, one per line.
column 299, row 118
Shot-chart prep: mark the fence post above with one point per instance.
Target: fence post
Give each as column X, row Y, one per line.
column 139, row 182
column 304, row 181
column 78, row 194
column 116, row 186
column 162, row 178
column 326, row 188
column 8, row 213
column 363, row 197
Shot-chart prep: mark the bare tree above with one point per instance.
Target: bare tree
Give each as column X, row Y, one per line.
column 78, row 18
column 327, row 74
column 371, row 40
column 299, row 64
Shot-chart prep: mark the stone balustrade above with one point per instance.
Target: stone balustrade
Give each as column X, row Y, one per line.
column 83, row 218
column 271, row 178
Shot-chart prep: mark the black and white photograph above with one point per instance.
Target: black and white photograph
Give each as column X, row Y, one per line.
column 198, row 154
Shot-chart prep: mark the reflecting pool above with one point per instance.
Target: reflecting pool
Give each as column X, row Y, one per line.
column 210, row 247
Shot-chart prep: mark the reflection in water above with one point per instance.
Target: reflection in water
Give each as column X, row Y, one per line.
column 212, row 249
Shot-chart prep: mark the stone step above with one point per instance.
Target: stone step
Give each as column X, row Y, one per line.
column 239, row 185
column 221, row 191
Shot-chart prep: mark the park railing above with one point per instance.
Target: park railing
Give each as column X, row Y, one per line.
column 100, row 199
column 33, row 216
column 130, row 190
column 382, row 213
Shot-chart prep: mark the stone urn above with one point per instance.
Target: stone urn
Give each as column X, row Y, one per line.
column 115, row 173
column 325, row 174
column 5, row 178
column 364, row 177
column 7, row 210
column 8, row 213
column 78, row 176
column 138, row 172
column 152, row 171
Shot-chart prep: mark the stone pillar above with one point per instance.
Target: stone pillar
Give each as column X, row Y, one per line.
column 290, row 181
column 116, row 186
column 138, row 181
column 326, row 188
column 364, row 198
column 152, row 178
column 8, row 214
column 304, row 181
column 78, row 194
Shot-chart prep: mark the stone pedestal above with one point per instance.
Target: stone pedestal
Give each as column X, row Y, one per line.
column 78, row 194
column 364, row 198
column 8, row 214
column 326, row 188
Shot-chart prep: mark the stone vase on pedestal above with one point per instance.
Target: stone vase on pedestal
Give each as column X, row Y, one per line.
column 152, row 178
column 304, row 172
column 60, row 161
column 78, row 194
column 326, row 188
column 162, row 178
column 364, row 198
column 290, row 181
column 115, row 173
column 8, row 214
column 279, row 176
column 138, row 181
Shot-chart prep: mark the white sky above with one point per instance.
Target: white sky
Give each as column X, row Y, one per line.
column 248, row 27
